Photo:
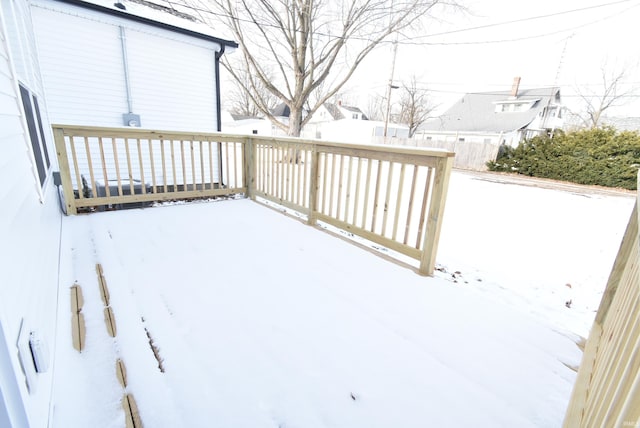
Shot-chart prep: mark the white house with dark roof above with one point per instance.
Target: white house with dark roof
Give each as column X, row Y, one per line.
column 339, row 122
column 75, row 63
column 503, row 117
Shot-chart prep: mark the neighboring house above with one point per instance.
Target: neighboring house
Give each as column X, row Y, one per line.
column 498, row 117
column 240, row 124
column 65, row 61
column 339, row 122
column 330, row 112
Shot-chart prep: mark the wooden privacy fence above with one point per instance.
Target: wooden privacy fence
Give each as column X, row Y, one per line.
column 607, row 389
column 472, row 155
column 391, row 196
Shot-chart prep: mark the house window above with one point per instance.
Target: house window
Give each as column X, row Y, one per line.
column 36, row 133
column 354, row 115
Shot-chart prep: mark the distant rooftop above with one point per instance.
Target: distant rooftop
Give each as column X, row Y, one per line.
column 479, row 112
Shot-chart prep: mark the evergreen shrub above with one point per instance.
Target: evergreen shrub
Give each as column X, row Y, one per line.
column 600, row 156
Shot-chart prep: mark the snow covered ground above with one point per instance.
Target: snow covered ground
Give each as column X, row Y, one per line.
column 262, row 321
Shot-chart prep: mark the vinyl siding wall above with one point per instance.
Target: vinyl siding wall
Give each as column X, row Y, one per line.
column 172, row 75
column 30, row 226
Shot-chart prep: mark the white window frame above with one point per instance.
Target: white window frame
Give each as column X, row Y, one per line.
column 35, row 134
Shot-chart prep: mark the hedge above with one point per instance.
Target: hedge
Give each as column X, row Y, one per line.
column 600, row 156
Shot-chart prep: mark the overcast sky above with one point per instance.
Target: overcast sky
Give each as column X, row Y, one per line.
column 546, row 42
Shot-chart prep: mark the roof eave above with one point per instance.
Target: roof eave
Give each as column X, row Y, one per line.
column 151, row 22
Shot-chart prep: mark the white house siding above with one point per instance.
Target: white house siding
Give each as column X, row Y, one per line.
column 172, row 76
column 172, row 82
column 30, row 231
column 82, row 69
column 22, row 43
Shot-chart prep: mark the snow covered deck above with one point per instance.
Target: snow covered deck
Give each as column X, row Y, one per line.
column 259, row 320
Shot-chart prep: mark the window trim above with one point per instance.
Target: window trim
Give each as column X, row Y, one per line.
column 35, row 134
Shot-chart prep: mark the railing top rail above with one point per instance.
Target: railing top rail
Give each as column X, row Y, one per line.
column 77, row 130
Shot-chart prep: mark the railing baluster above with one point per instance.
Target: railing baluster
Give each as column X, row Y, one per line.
column 90, row 164
column 173, row 166
column 230, row 164
column 306, row 187
column 365, row 206
column 376, row 198
column 357, row 196
column 193, row 165
column 129, row 168
column 104, row 167
column 210, row 150
column 153, row 166
column 412, row 196
column 114, row 143
column 164, row 167
column 141, row 161
column 340, row 187
column 387, row 197
column 184, row 166
column 396, row 217
column 423, row 210
column 76, row 168
column 332, row 186
column 202, row 181
column 347, row 203
column 236, row 159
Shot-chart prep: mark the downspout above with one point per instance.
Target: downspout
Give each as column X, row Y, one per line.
column 125, row 63
column 218, row 55
column 129, row 118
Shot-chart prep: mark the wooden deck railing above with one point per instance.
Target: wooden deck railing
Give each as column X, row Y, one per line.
column 607, row 389
column 392, row 196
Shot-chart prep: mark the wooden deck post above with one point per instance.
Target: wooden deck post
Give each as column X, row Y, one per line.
column 249, row 162
column 436, row 214
column 65, row 171
column 312, row 219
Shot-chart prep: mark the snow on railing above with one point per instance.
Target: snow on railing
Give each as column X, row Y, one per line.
column 391, row 196
column 607, row 389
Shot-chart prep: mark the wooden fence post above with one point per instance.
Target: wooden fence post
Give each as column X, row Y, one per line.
column 436, row 214
column 313, row 187
column 65, row 171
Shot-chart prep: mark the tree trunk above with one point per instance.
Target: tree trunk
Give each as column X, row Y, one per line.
column 295, row 119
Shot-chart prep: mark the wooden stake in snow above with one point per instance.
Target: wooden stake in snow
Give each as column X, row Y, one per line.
column 78, row 331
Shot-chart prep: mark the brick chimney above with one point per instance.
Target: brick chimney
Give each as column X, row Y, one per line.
column 515, row 86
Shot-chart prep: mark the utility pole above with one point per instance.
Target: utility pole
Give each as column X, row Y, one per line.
column 389, row 88
column 555, row 82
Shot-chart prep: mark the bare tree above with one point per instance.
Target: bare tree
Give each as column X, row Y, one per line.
column 415, row 106
column 308, row 43
column 610, row 94
column 376, row 107
column 247, row 92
